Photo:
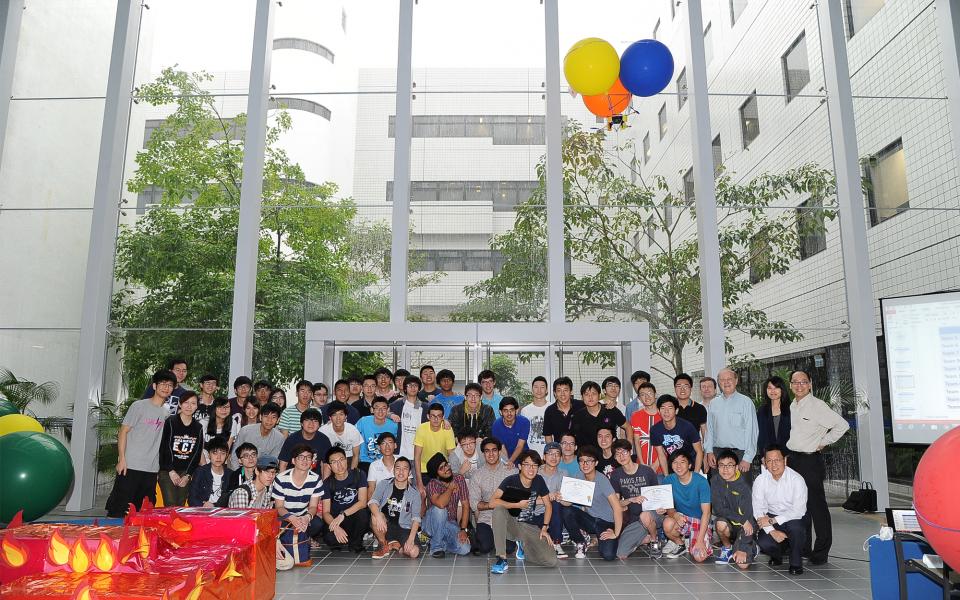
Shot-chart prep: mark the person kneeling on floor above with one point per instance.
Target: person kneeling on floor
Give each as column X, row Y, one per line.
column 395, row 513
column 521, row 511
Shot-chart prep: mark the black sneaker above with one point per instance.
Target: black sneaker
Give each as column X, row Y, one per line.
column 438, row 554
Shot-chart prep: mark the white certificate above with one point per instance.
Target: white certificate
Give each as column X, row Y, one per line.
column 657, row 496
column 577, row 491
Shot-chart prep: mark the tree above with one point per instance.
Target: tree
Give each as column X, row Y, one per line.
column 637, row 248
column 317, row 260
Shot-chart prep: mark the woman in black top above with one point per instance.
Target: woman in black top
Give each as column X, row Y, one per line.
column 773, row 416
column 181, row 446
column 220, row 423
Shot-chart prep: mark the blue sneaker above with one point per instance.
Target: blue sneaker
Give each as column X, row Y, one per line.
column 520, row 554
column 726, row 554
column 500, row 567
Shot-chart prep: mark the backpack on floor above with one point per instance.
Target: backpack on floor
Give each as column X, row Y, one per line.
column 862, row 500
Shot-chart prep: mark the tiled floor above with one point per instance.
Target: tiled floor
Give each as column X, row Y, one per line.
column 341, row 576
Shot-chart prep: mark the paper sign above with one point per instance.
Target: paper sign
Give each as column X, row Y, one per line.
column 577, row 491
column 657, row 496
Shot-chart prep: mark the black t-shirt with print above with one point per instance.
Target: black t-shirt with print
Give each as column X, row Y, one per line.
column 394, row 505
column 607, row 465
column 344, row 494
column 533, row 513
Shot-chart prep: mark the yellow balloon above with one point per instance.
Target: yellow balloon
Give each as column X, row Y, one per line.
column 591, row 66
column 15, row 423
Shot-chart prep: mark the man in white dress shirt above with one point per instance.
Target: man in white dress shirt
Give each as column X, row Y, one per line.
column 779, row 503
column 813, row 426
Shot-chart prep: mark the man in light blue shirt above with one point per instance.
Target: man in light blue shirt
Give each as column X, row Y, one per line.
column 731, row 423
column 445, row 396
column 634, row 405
column 488, row 381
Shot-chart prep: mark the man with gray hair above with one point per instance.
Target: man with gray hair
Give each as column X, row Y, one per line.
column 731, row 423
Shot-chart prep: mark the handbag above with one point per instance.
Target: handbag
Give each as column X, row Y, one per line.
column 284, row 559
column 863, row 500
column 296, row 545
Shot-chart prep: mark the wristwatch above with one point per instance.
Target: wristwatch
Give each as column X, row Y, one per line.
column 464, row 529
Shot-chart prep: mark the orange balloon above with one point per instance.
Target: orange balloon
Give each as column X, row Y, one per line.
column 614, row 102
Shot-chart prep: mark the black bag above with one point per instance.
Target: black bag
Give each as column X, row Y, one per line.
column 862, row 500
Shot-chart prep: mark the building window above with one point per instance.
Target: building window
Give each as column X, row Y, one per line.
column 656, row 29
column 668, row 214
column 528, row 130
column 885, row 174
column 858, row 12
column 749, row 120
column 457, row 260
column 736, row 9
column 646, row 148
column 300, row 104
column 796, row 67
column 717, row 155
column 759, row 260
column 682, row 88
column 689, row 194
column 302, row 44
column 662, row 118
column 708, row 43
column 503, row 195
column 810, row 228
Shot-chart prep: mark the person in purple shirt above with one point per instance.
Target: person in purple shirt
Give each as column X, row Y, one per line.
column 512, row 429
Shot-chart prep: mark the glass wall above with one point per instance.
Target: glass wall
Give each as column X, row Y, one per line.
column 478, row 138
column 47, row 180
column 326, row 219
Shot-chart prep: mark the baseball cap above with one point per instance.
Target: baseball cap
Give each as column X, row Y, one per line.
column 265, row 461
column 551, row 446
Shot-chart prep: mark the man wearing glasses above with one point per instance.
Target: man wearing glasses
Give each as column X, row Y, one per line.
column 732, row 506
column 297, row 493
column 628, row 480
column 525, row 519
column 731, row 424
column 344, row 503
column 604, row 516
column 779, row 503
column 482, row 485
column 813, row 426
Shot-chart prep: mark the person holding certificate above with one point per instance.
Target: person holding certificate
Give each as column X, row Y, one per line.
column 690, row 519
column 521, row 511
column 603, row 516
column 628, row 480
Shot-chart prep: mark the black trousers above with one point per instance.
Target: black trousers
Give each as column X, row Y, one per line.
column 356, row 525
column 796, row 539
column 817, row 519
column 131, row 488
column 483, row 542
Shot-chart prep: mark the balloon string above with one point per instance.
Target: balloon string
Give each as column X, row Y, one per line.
column 932, row 524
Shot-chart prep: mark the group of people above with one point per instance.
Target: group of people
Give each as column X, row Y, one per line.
column 404, row 458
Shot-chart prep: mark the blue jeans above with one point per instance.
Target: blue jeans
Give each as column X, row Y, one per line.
column 443, row 532
column 576, row 519
column 555, row 526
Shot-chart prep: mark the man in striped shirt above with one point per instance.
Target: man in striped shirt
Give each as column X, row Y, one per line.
column 297, row 493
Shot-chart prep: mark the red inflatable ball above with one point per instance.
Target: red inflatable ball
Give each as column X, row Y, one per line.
column 936, row 489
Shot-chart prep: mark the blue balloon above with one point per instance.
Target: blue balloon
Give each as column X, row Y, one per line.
column 646, row 68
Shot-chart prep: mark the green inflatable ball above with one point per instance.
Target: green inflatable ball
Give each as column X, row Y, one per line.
column 8, row 408
column 35, row 474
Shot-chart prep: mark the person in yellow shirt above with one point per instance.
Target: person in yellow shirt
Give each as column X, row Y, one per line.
column 431, row 437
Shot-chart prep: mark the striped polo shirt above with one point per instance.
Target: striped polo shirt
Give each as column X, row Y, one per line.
column 297, row 499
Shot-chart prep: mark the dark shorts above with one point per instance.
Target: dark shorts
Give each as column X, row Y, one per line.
column 395, row 533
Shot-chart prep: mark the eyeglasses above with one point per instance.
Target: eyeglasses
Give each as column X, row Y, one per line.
column 793, row 382
column 621, row 451
column 535, row 465
column 774, row 461
column 726, row 465
column 587, row 460
column 568, row 443
column 248, row 455
column 303, row 457
column 337, row 461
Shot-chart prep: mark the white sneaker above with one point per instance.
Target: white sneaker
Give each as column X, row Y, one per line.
column 561, row 553
column 581, row 550
column 673, row 550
